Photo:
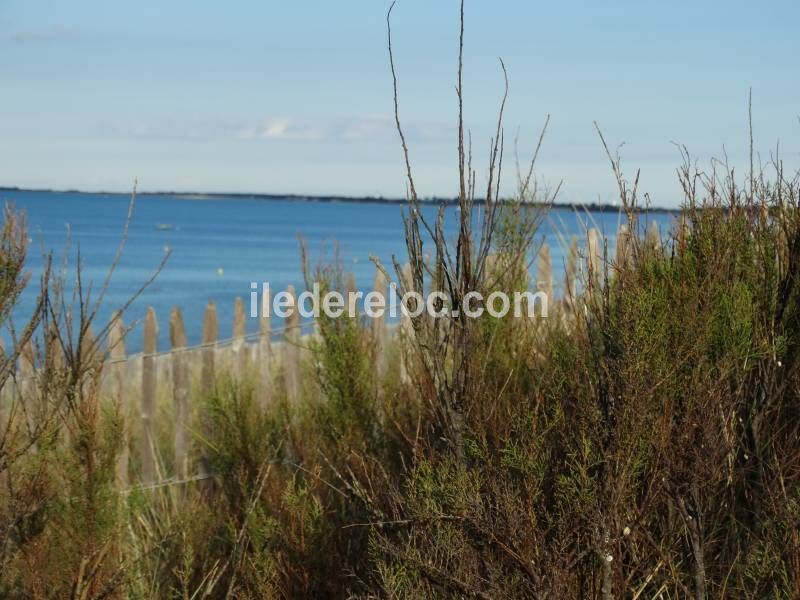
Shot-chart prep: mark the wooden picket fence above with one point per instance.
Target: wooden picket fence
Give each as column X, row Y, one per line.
column 180, row 370
column 139, row 380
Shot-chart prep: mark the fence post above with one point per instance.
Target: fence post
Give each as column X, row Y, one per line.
column 350, row 283
column 571, row 271
column 379, row 324
column 490, row 270
column 180, row 392
column 683, row 232
column 291, row 349
column 406, row 327
column 92, row 359
column 27, row 368
column 623, row 247
column 119, row 368
column 149, row 349
column 264, row 351
column 89, row 345
column 545, row 272
column 653, row 236
column 208, row 351
column 27, row 389
column 239, row 343
column 593, row 257
column 3, row 388
column 207, row 375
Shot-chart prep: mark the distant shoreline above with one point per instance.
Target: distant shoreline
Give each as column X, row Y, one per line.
column 434, row 201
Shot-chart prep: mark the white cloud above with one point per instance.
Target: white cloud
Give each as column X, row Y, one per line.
column 365, row 128
column 375, row 127
column 368, row 127
column 284, row 128
column 171, row 127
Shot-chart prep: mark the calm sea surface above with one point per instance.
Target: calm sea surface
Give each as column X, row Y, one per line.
column 219, row 245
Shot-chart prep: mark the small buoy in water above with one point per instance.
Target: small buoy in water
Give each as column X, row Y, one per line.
column 220, row 271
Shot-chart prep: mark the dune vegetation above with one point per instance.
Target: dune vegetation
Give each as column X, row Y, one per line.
column 640, row 442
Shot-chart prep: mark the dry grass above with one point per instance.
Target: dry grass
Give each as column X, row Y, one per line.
column 641, row 442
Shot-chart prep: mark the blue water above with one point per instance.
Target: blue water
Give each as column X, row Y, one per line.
column 219, row 245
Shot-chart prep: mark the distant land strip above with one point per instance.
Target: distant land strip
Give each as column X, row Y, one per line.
column 434, row 200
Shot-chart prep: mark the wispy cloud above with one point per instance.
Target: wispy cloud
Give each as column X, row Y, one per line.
column 346, row 130
column 283, row 128
column 186, row 128
column 370, row 127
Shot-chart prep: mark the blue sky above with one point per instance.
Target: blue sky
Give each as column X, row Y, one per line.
column 295, row 97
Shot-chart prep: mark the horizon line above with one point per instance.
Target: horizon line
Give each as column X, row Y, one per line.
column 296, row 197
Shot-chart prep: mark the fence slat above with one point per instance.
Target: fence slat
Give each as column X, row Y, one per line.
column 683, row 231
column 571, row 271
column 545, row 272
column 27, row 388
column 91, row 358
column 291, row 349
column 207, row 374
column 3, row 389
column 238, row 346
column 119, row 376
column 406, row 326
column 594, row 257
column 149, row 349
column 210, row 337
column 264, row 352
column 623, row 256
column 349, row 283
column 180, row 392
column 653, row 236
column 379, row 332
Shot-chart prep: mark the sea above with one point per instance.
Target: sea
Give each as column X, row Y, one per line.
column 216, row 246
